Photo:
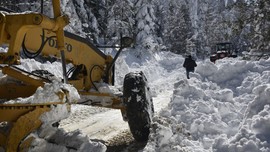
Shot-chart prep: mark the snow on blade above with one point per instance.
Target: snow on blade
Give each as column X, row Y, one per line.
column 49, row 138
column 51, row 92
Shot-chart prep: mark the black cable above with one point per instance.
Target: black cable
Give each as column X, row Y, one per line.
column 86, row 102
column 91, row 76
column 70, row 71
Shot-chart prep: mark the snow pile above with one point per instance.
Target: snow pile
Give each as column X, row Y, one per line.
column 223, row 107
column 230, row 73
column 253, row 134
column 49, row 138
column 64, row 142
column 51, row 92
column 55, row 68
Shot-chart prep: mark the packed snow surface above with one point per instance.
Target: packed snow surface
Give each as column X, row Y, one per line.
column 222, row 107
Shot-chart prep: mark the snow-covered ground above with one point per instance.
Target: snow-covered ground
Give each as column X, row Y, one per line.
column 224, row 107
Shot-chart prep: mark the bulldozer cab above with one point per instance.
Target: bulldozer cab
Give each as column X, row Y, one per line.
column 224, row 47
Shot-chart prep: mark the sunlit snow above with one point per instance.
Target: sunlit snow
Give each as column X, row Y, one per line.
column 223, row 107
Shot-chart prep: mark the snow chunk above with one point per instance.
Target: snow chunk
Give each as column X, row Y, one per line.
column 64, row 142
column 262, row 98
column 207, row 69
column 183, row 88
column 57, row 113
column 49, row 138
column 225, row 95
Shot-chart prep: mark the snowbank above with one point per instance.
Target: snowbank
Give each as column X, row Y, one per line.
column 253, row 134
column 223, row 107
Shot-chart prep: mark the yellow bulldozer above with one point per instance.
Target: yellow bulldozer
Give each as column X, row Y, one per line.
column 36, row 34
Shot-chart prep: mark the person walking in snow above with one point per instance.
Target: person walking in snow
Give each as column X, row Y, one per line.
column 190, row 65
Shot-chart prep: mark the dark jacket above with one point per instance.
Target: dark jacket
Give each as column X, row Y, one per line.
column 189, row 64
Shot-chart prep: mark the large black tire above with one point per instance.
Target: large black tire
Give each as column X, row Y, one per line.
column 139, row 105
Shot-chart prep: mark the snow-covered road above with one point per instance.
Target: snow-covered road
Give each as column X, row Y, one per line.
column 104, row 124
column 101, row 123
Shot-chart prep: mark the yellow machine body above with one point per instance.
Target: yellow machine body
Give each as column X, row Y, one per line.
column 18, row 120
column 37, row 32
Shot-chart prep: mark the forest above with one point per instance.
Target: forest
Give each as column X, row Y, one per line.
column 179, row 26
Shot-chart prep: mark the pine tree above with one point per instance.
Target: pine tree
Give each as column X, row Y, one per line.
column 176, row 26
column 87, row 19
column 121, row 19
column 146, row 27
column 261, row 22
